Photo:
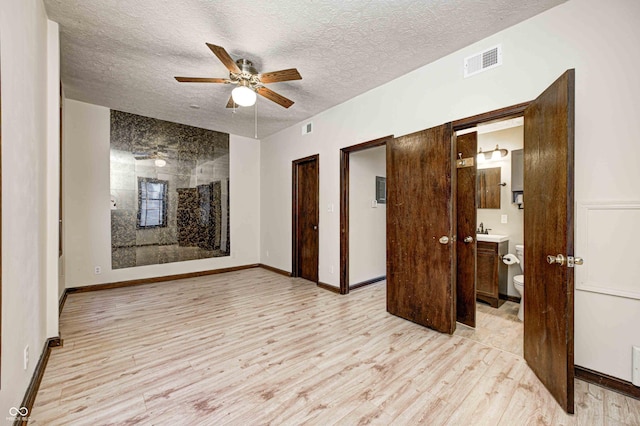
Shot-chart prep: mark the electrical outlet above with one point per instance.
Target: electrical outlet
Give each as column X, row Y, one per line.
column 267, row 253
column 26, row 357
column 330, row 208
column 97, row 270
column 503, row 219
column 331, row 269
column 635, row 363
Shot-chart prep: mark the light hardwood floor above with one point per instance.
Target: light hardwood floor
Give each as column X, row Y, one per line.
column 253, row 347
column 496, row 327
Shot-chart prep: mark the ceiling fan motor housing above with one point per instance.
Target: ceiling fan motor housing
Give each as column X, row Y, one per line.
column 246, row 66
column 248, row 75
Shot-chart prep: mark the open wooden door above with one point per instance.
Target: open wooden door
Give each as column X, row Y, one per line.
column 466, row 149
column 548, row 231
column 421, row 250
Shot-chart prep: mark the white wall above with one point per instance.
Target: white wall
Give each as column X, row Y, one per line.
column 27, row 296
column 61, row 285
column 598, row 39
column 367, row 225
column 510, row 139
column 52, row 213
column 87, row 233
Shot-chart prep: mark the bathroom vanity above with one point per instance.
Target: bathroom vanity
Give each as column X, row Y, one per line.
column 492, row 273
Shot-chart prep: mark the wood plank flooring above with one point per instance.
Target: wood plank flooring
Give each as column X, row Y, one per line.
column 254, row 347
column 496, row 327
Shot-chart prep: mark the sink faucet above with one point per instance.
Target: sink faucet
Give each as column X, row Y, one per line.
column 482, row 229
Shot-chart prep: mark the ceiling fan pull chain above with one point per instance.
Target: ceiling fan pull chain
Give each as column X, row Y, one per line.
column 255, row 109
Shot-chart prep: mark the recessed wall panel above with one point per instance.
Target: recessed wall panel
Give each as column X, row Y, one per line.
column 609, row 246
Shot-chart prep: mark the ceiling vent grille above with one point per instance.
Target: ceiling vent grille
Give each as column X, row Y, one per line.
column 307, row 128
column 483, row 61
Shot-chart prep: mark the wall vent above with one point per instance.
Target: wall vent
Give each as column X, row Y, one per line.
column 307, row 128
column 483, row 61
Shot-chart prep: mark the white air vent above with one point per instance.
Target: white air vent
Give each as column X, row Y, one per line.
column 306, row 128
column 483, row 61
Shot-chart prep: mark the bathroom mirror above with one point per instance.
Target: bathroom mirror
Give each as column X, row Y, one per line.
column 488, row 188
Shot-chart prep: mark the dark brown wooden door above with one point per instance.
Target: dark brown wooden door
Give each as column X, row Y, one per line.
column 548, row 230
column 466, row 148
column 421, row 213
column 305, row 220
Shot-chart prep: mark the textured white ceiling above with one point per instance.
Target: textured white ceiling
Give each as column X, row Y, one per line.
column 124, row 54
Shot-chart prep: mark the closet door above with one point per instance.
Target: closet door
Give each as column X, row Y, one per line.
column 421, row 248
column 305, row 217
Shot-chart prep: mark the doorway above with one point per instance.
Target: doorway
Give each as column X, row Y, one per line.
column 305, row 217
column 350, row 279
column 489, row 188
column 422, row 245
column 548, row 175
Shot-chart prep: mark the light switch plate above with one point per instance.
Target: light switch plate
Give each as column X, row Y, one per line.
column 503, row 219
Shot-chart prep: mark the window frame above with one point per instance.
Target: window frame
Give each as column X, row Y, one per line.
column 163, row 202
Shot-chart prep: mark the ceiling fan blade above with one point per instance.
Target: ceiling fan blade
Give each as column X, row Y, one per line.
column 275, row 97
column 230, row 103
column 202, row 80
column 224, row 58
column 282, row 75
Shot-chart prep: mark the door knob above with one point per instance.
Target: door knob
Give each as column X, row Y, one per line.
column 444, row 239
column 468, row 239
column 559, row 259
column 572, row 261
column 315, row 226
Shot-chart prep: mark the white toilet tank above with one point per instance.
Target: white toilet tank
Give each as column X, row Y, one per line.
column 520, row 254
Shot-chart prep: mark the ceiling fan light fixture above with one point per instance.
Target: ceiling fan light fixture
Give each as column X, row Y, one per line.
column 243, row 95
column 159, row 162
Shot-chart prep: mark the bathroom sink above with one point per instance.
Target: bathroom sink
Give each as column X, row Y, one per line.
column 492, row 238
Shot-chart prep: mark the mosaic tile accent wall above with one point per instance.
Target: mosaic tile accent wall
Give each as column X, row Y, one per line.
column 169, row 192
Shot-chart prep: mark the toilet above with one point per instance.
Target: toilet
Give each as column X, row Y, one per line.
column 518, row 280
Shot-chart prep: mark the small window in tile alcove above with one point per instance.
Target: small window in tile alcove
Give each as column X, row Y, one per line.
column 152, row 203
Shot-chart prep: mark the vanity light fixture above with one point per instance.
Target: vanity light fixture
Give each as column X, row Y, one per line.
column 493, row 155
column 481, row 156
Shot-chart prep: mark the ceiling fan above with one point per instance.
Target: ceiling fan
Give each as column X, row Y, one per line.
column 151, row 155
column 160, row 157
column 247, row 80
